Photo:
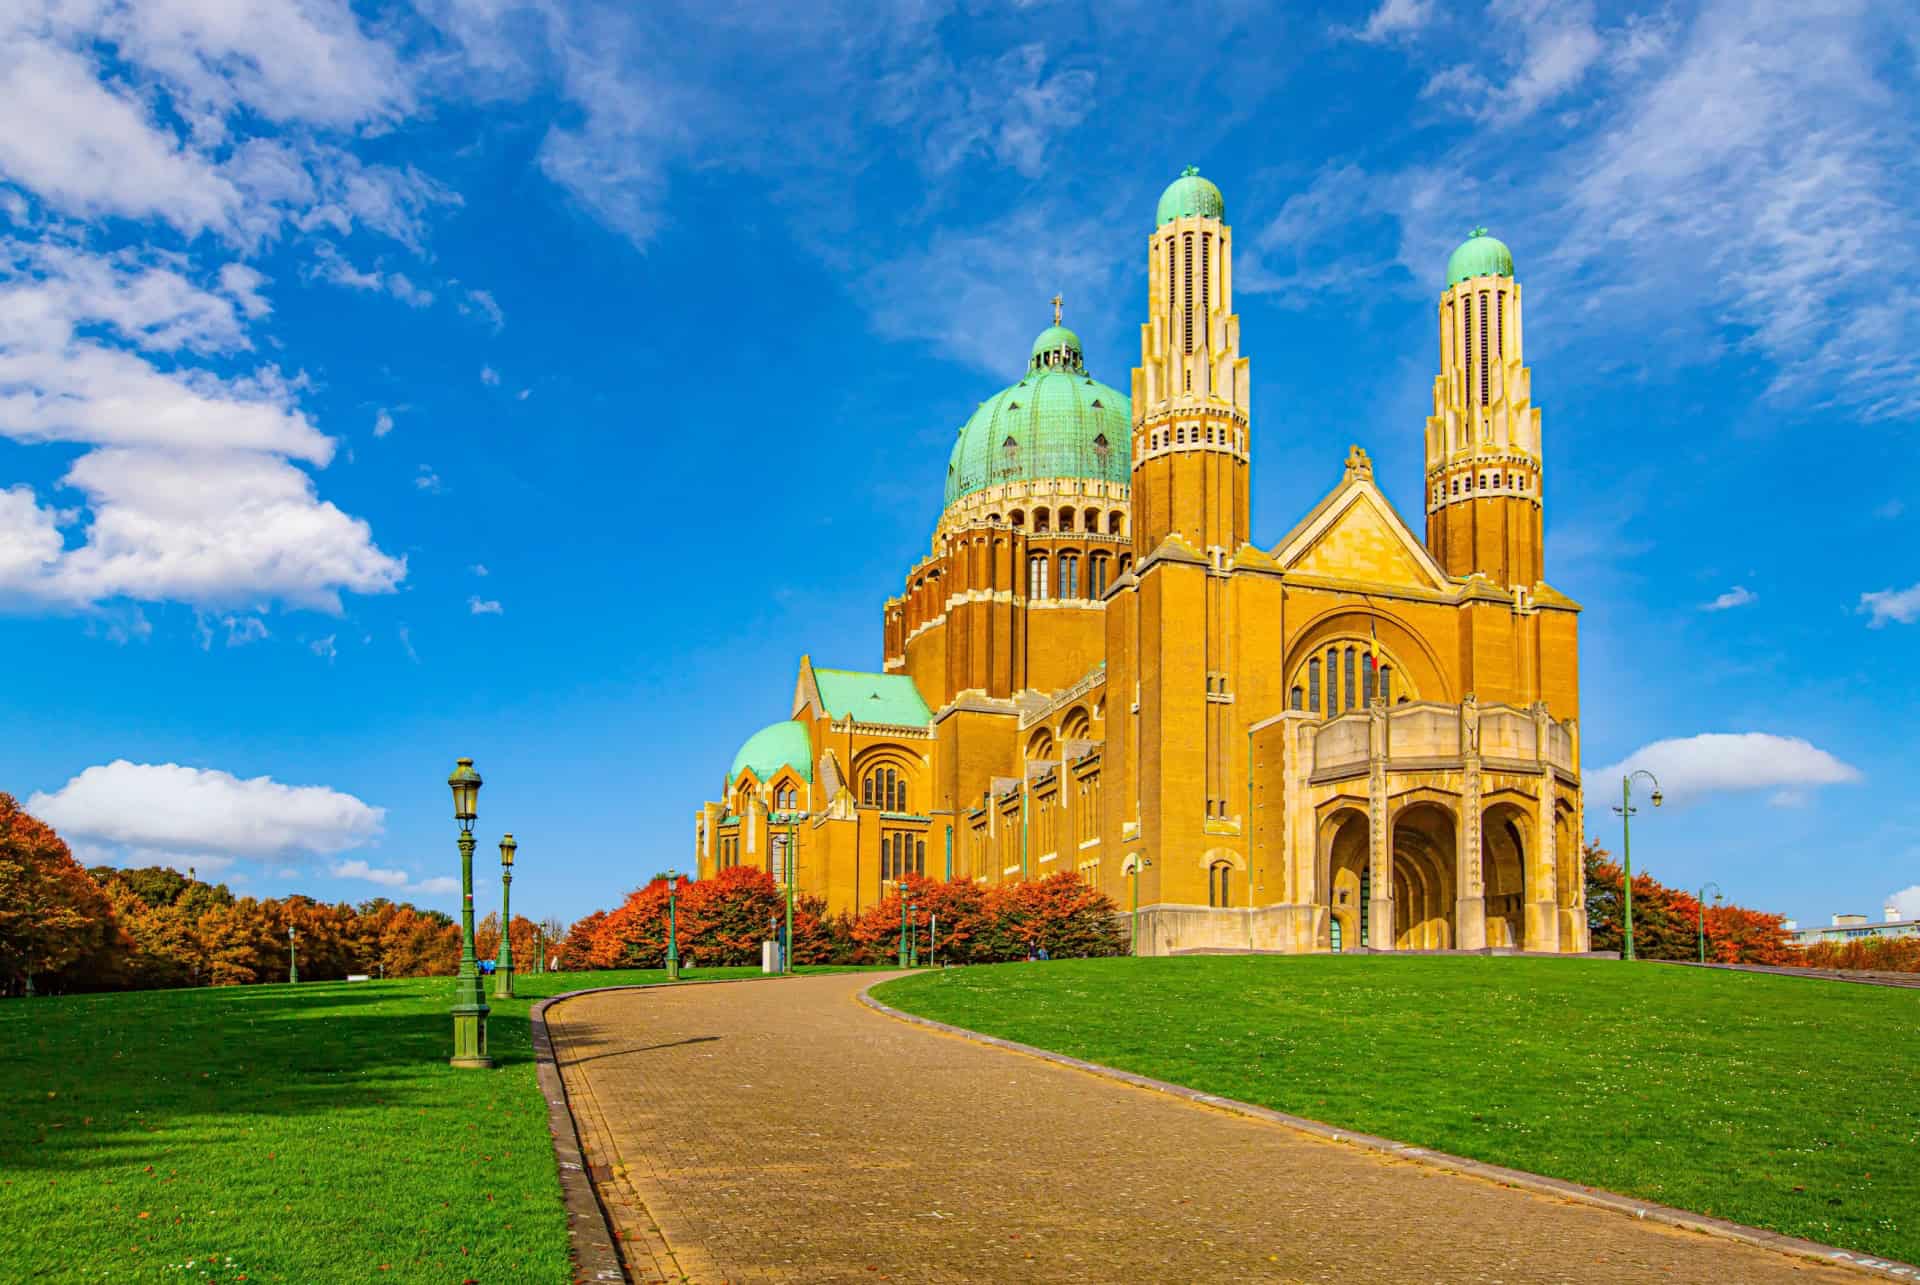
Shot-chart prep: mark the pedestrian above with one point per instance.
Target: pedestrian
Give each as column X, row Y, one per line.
column 1043, row 954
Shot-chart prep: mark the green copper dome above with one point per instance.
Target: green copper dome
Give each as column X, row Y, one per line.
column 774, row 747
column 1187, row 195
column 1055, row 337
column 1479, row 256
column 1058, row 421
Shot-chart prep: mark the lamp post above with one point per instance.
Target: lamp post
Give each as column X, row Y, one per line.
column 293, row 959
column 1703, row 914
column 1133, row 866
column 1626, row 853
column 913, row 936
column 673, row 927
column 540, row 945
column 786, row 958
column 901, row 888
column 503, row 975
column 469, row 996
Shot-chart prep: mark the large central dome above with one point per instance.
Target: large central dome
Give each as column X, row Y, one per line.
column 1058, row 421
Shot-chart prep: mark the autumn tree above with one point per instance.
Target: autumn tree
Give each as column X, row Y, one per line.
column 52, row 914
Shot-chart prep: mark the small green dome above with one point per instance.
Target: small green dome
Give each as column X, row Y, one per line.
column 774, row 747
column 1189, row 195
column 1054, row 338
column 1058, row 421
column 1479, row 256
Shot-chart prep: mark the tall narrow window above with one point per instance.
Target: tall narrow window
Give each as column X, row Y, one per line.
column 1483, row 347
column 1367, row 679
column 919, row 856
column 1297, row 701
column 1186, row 302
column 1069, row 577
column 1172, row 339
column 1097, row 577
column 866, row 792
column 1386, row 683
column 1037, row 578
column 1313, row 684
column 1206, row 287
column 1499, row 320
column 1350, row 687
column 1366, row 901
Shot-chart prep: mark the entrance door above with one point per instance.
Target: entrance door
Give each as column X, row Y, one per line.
column 1334, row 924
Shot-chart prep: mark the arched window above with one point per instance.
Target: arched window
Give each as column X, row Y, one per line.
column 1097, row 576
column 867, row 788
column 920, row 856
column 1069, row 575
column 1313, row 684
column 1041, row 520
column 1333, row 929
column 1298, row 701
column 1037, row 577
column 1019, row 517
column 1113, row 522
column 1220, row 884
column 1066, row 519
column 1349, row 686
column 1090, row 520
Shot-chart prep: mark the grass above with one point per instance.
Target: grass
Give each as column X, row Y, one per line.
column 279, row 1133
column 1779, row 1102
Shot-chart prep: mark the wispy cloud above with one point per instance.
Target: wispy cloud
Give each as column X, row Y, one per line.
column 383, row 422
column 427, row 480
column 489, row 376
column 1738, row 596
column 1891, row 605
column 1394, row 19
column 478, row 606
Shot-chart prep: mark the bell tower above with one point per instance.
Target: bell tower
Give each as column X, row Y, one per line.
column 1190, row 430
column 1483, row 438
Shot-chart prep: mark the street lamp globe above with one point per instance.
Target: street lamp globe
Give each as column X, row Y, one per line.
column 465, row 783
column 1657, row 796
column 507, row 849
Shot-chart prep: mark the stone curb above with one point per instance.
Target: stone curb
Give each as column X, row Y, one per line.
column 591, row 1242
column 1885, row 1268
column 1861, row 977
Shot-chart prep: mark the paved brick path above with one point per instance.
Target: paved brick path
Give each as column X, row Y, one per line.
column 781, row 1131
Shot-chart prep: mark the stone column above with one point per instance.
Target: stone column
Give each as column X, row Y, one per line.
column 1543, row 872
column 1470, row 907
column 1379, row 841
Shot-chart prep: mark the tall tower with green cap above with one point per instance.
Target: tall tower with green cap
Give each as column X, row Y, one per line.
column 1190, row 428
column 1483, row 438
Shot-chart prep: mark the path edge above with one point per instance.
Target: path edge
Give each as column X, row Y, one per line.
column 1885, row 1268
column 591, row 1242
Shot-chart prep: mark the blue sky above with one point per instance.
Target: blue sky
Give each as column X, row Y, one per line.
column 536, row 381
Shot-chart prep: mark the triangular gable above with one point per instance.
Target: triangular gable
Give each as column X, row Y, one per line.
column 806, row 692
column 1355, row 534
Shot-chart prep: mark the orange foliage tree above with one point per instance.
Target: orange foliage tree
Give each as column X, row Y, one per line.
column 985, row 923
column 52, row 914
column 1666, row 921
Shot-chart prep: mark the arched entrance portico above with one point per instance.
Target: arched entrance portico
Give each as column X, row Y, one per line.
column 1343, row 879
column 1504, row 853
column 1423, row 869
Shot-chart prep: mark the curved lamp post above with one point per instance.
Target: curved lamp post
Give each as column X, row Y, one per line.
column 469, row 997
column 673, row 927
column 1717, row 894
column 293, row 958
column 1626, row 852
column 1133, row 866
column 503, row 975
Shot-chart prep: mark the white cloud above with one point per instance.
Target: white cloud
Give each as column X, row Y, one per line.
column 383, row 422
column 30, row 539
column 1693, row 767
column 438, row 884
column 1738, row 596
column 489, row 376
column 1906, row 902
column 167, row 807
column 1394, row 19
column 479, row 606
column 324, row 648
column 523, row 394
column 479, row 569
column 1902, row 605
column 406, row 292
column 1548, row 49
column 427, row 480
column 357, row 869
column 481, row 303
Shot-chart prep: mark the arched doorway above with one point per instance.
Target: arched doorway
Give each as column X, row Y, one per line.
column 1344, row 878
column 1424, row 885
column 1503, row 870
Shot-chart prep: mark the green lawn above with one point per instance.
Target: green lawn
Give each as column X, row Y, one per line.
column 1780, row 1102
column 278, row 1133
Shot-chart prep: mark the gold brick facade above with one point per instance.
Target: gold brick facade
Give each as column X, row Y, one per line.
column 1353, row 737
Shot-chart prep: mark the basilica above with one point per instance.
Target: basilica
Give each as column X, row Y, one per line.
column 1356, row 737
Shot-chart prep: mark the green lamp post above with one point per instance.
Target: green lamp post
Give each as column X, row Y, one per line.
column 913, row 936
column 901, row 888
column 469, row 996
column 1134, row 865
column 293, row 958
column 503, row 974
column 1703, row 914
column 1626, row 811
column 673, row 927
column 786, row 956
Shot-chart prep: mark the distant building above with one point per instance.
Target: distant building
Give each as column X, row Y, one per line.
column 1855, row 927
